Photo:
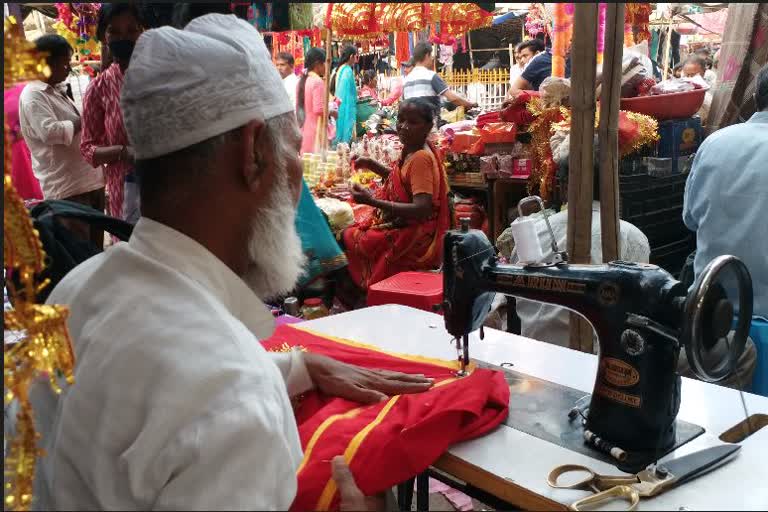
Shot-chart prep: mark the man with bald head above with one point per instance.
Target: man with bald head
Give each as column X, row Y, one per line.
column 176, row 405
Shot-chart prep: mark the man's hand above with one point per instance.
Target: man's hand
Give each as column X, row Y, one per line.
column 362, row 385
column 360, row 194
column 352, row 497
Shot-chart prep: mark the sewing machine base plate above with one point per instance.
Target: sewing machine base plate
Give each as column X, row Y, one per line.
column 540, row 409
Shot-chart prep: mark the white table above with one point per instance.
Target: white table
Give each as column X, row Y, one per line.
column 513, row 465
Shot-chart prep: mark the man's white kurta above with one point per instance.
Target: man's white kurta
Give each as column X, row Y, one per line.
column 176, row 405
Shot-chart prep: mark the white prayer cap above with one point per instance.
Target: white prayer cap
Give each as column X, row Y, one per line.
column 185, row 86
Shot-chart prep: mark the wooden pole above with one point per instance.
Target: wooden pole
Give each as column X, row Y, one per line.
column 608, row 131
column 581, row 161
column 323, row 128
column 471, row 56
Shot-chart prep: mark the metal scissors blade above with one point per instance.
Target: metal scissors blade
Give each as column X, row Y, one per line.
column 647, row 483
column 697, row 463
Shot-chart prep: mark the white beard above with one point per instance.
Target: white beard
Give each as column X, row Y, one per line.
column 276, row 256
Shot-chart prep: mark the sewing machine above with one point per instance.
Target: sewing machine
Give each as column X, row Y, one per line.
column 642, row 317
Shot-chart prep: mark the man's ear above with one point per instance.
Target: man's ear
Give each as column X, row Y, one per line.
column 252, row 171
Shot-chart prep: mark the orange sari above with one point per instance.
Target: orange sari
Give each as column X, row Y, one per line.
column 378, row 248
column 386, row 443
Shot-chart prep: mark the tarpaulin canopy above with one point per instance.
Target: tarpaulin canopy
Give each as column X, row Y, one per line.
column 704, row 23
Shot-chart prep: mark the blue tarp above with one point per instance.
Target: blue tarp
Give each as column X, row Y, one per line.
column 506, row 17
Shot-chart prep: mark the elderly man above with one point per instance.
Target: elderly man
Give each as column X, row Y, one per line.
column 176, row 406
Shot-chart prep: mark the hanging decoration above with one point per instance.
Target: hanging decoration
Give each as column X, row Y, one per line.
column 535, row 20
column 637, row 15
column 601, row 12
column 77, row 23
column 542, row 179
column 44, row 346
column 559, row 41
column 457, row 18
column 372, row 20
column 569, row 10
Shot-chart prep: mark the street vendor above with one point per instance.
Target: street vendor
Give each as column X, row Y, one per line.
column 404, row 225
column 177, row 405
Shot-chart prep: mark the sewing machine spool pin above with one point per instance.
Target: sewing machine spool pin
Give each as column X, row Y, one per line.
column 558, row 256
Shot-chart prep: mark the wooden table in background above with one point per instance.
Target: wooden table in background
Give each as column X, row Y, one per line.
column 495, row 190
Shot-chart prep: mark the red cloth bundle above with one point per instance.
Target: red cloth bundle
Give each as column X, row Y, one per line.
column 488, row 117
column 390, row 442
column 517, row 112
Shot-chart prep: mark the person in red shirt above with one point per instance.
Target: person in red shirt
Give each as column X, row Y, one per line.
column 104, row 141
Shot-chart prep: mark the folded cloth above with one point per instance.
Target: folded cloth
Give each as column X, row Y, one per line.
column 392, row 441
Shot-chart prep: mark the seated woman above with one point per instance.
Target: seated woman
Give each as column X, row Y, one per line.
column 403, row 228
column 368, row 90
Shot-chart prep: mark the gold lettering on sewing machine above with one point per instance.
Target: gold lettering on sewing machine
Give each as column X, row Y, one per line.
column 543, row 283
column 618, row 396
column 619, row 373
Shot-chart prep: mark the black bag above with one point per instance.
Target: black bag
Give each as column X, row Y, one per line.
column 63, row 250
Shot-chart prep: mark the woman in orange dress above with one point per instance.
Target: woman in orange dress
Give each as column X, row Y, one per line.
column 403, row 227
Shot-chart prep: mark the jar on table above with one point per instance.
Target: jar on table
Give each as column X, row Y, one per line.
column 313, row 308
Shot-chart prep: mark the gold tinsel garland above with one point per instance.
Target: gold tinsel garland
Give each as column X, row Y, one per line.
column 541, row 129
column 44, row 348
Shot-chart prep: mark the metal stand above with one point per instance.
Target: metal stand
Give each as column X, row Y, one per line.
column 405, row 492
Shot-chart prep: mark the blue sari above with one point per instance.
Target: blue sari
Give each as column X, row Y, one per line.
column 346, row 91
column 323, row 252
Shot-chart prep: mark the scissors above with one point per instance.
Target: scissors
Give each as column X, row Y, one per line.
column 650, row 482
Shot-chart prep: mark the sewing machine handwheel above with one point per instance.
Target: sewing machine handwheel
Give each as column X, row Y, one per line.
column 709, row 317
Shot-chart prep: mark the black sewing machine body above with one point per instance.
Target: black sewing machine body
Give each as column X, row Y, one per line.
column 636, row 310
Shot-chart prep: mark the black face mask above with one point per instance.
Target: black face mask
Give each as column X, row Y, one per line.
column 122, row 49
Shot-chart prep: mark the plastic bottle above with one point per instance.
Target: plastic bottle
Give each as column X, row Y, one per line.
column 313, row 308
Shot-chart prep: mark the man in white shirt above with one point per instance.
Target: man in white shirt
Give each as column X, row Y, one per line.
column 285, row 64
column 176, row 405
column 551, row 323
column 50, row 124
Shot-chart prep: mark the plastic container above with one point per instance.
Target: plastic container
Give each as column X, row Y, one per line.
column 677, row 105
column 313, row 308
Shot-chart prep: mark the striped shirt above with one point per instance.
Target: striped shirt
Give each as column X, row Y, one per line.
column 103, row 126
column 424, row 83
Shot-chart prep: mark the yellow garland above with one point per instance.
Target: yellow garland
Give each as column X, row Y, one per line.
column 45, row 347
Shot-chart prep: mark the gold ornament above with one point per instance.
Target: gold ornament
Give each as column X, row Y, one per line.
column 22, row 62
column 45, row 347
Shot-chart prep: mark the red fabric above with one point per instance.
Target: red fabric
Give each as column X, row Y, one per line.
column 22, row 176
column 517, row 112
column 376, row 249
column 402, row 50
column 412, row 431
column 102, row 127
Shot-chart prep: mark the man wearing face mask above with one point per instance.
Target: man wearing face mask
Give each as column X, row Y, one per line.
column 177, row 405
column 50, row 123
column 104, row 141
